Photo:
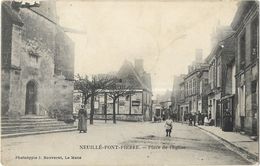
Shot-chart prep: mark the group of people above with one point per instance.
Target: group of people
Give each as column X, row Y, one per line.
column 200, row 118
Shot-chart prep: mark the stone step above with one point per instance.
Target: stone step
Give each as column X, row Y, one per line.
column 25, row 130
column 36, row 132
column 29, row 123
column 27, row 117
column 32, row 126
column 27, row 120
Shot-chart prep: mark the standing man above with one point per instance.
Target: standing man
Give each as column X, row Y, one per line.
column 82, row 115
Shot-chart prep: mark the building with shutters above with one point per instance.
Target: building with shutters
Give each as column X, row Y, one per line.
column 246, row 27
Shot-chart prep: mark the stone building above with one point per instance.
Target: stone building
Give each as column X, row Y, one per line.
column 136, row 106
column 246, row 27
column 220, row 57
column 37, row 61
column 178, row 96
column 197, row 73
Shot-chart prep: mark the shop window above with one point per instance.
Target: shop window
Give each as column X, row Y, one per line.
column 253, row 86
column 121, row 103
column 127, row 97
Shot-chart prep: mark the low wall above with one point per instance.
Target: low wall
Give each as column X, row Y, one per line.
column 124, row 117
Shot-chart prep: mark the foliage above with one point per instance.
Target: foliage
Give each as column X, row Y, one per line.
column 91, row 87
column 116, row 89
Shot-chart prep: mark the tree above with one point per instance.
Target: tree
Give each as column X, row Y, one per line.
column 90, row 88
column 116, row 89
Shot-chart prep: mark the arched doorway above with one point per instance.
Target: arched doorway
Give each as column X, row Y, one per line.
column 31, row 98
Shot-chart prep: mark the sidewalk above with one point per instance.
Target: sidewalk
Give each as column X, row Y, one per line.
column 241, row 143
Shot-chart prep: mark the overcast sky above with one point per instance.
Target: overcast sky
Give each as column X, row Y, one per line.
column 165, row 34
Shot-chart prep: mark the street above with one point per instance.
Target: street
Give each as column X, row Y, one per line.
column 188, row 145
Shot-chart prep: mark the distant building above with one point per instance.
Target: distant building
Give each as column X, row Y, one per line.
column 197, row 73
column 132, row 107
column 246, row 26
column 178, row 97
column 37, row 61
column 189, row 94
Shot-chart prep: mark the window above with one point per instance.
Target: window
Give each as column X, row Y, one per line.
column 241, row 100
column 253, row 86
column 233, row 79
column 127, row 97
column 190, row 87
column 242, row 50
column 254, row 98
column 194, row 86
column 254, row 37
column 213, row 74
column 206, row 81
column 187, row 88
column 33, row 58
column 121, row 103
column 218, row 75
column 201, row 86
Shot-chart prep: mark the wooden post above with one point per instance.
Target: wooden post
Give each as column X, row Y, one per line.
column 143, row 102
column 105, row 104
column 118, row 105
column 130, row 104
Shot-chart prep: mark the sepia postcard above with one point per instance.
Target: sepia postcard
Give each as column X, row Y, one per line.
column 131, row 82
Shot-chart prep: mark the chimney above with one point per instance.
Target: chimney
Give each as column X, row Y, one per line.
column 189, row 68
column 139, row 66
column 198, row 56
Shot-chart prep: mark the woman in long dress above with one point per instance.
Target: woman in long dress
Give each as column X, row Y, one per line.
column 82, row 115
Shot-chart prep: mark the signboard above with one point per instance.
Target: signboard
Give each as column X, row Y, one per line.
column 136, row 103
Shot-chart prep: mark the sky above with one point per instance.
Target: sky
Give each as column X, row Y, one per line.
column 164, row 34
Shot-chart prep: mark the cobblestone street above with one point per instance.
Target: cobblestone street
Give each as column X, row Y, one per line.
column 188, row 145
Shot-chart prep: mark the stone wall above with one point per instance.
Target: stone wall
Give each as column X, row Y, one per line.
column 32, row 53
column 63, row 95
column 64, row 55
column 248, row 74
column 6, row 38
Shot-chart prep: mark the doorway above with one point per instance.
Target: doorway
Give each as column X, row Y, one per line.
column 31, row 98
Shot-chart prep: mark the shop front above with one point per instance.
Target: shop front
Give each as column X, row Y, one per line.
column 227, row 113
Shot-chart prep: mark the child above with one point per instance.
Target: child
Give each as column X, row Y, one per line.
column 168, row 126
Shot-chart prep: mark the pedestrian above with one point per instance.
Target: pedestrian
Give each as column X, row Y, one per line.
column 82, row 124
column 206, row 120
column 190, row 119
column 168, row 126
column 194, row 119
column 202, row 119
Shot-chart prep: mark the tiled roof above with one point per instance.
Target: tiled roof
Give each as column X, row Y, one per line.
column 144, row 81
